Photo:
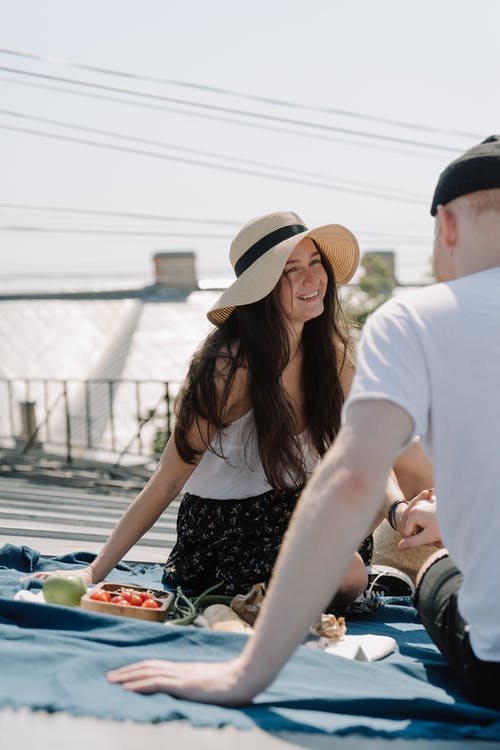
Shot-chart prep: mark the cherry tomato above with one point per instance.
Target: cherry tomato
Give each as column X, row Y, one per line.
column 135, row 599
column 150, row 604
column 100, row 595
column 126, row 594
column 145, row 595
column 119, row 600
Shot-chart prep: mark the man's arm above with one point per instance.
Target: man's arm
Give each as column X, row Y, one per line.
column 412, row 470
column 332, row 517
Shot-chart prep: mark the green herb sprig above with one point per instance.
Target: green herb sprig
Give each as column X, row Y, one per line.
column 186, row 609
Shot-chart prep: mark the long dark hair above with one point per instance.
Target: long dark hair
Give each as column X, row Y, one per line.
column 255, row 336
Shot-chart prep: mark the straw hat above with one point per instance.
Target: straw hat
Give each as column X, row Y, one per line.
column 262, row 247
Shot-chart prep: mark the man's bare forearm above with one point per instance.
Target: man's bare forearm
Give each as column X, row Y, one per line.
column 332, row 517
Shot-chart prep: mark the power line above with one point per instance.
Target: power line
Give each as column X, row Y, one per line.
column 363, row 234
column 231, row 110
column 210, row 154
column 115, row 232
column 231, row 92
column 225, row 168
column 218, row 118
column 116, row 214
column 363, row 237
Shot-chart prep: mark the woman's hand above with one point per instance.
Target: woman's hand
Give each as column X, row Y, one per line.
column 418, row 524
column 224, row 683
column 84, row 573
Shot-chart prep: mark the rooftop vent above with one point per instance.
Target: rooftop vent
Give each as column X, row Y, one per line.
column 176, row 270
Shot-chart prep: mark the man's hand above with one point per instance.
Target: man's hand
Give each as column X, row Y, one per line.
column 418, row 524
column 216, row 682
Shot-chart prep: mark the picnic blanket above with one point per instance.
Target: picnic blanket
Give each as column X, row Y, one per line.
column 55, row 658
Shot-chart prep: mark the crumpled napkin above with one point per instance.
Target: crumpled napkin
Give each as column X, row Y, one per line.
column 358, row 647
column 25, row 595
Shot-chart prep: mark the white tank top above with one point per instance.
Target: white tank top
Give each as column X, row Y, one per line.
column 240, row 473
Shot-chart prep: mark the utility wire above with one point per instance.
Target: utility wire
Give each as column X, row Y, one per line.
column 209, row 154
column 231, row 110
column 218, row 118
column 360, row 233
column 225, row 168
column 231, row 92
column 116, row 232
column 363, row 237
column 117, row 214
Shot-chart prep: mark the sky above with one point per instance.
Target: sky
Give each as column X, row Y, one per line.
column 167, row 125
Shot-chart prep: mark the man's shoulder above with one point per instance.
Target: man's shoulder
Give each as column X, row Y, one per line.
column 448, row 297
column 414, row 303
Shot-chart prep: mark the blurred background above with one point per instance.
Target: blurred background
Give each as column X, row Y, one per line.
column 132, row 130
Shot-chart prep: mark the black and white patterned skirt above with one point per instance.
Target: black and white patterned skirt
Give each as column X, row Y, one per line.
column 232, row 542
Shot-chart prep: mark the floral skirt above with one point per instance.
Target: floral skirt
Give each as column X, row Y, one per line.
column 231, row 542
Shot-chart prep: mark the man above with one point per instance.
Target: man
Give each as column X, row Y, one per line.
column 428, row 365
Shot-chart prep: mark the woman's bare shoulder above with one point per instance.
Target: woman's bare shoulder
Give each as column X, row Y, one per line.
column 346, row 365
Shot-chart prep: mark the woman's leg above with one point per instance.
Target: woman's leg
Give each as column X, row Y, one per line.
column 254, row 531
column 191, row 563
column 230, row 542
column 353, row 584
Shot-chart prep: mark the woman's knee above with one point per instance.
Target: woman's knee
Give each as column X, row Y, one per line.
column 353, row 584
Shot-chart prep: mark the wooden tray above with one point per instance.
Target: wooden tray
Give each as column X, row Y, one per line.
column 166, row 598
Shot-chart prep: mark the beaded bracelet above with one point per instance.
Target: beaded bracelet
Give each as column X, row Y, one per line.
column 391, row 515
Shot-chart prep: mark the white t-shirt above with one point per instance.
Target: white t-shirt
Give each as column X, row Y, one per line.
column 436, row 353
column 240, row 474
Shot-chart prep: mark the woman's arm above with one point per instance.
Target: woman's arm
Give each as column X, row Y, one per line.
column 166, row 483
column 162, row 488
column 413, row 470
column 170, row 476
column 346, row 375
column 411, row 473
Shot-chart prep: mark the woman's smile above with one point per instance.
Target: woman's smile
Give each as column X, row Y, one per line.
column 303, row 284
column 310, row 296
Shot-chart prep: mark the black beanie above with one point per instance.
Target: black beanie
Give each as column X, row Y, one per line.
column 477, row 169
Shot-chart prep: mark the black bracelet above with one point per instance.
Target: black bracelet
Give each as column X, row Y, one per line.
column 391, row 515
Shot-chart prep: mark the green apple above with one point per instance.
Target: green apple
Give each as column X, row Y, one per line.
column 64, row 589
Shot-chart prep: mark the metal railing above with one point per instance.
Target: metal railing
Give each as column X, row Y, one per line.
column 121, row 417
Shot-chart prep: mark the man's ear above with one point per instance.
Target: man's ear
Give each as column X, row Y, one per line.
column 448, row 226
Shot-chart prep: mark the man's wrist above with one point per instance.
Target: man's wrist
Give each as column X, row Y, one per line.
column 392, row 513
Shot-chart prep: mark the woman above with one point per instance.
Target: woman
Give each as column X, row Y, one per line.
column 260, row 406
column 262, row 402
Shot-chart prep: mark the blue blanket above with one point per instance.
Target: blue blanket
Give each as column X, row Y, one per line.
column 55, row 658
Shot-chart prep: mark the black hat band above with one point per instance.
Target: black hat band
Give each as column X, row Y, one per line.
column 257, row 250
